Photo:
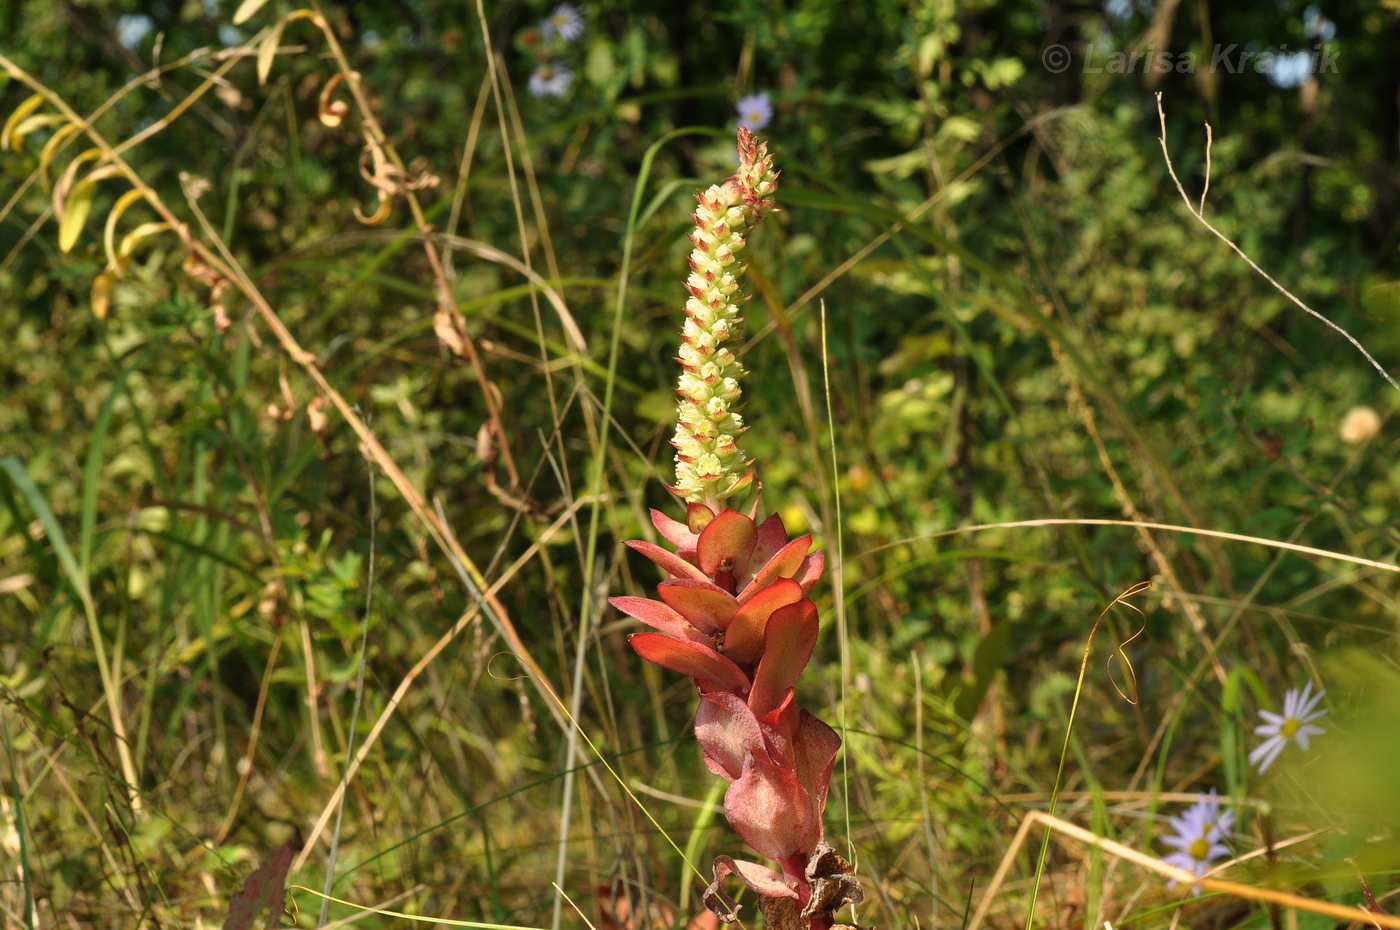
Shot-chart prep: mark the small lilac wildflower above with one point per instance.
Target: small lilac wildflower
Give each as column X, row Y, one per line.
column 1299, row 711
column 1290, row 69
column 755, row 112
column 551, row 80
column 132, row 29
column 565, row 21
column 1317, row 26
column 1199, row 836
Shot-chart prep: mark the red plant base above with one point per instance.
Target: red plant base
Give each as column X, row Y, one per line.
column 734, row 616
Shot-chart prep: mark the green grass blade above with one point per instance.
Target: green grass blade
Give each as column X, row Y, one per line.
column 92, row 469
column 26, row 877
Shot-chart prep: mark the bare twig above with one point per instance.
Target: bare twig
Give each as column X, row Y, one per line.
column 1197, row 213
column 375, row 133
column 1088, row 838
column 254, row 730
column 359, row 698
column 1217, row 534
column 1206, row 188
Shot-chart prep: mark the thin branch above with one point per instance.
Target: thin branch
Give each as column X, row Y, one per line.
column 1151, row 863
column 1197, row 213
column 1206, row 189
column 1217, row 534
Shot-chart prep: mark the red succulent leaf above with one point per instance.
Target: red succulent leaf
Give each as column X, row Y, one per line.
column 759, row 878
column 788, row 641
column 695, row 660
column 658, row 615
column 672, row 563
column 769, row 810
column 814, row 752
column 723, row 725
column 810, row 571
column 753, row 504
column 779, row 727
column 675, row 532
column 772, row 536
column 726, row 544
column 707, row 606
column 765, row 881
column 782, row 565
column 697, row 517
column 743, row 640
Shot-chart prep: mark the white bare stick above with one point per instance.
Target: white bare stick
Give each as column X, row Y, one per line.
column 1197, row 213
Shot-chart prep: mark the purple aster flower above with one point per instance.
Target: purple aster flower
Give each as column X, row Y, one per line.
column 1299, row 711
column 755, row 112
column 1199, row 836
column 565, row 21
column 551, row 80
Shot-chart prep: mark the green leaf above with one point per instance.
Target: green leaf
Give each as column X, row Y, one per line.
column 15, row 469
column 990, row 654
column 92, row 468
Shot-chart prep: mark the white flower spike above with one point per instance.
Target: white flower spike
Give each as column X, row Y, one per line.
column 1299, row 711
column 710, row 466
column 1200, row 836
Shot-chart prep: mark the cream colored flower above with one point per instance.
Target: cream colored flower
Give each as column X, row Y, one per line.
column 1359, row 425
column 710, row 466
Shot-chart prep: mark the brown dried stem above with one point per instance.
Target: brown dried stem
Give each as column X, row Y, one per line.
column 1088, row 838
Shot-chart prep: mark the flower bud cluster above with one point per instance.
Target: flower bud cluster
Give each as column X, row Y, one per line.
column 710, row 466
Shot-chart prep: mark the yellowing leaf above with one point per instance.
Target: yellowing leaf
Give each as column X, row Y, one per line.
column 133, row 238
column 246, row 10
column 31, row 123
column 380, row 214
column 79, row 204
column 51, row 149
column 109, row 234
column 102, row 287
column 75, row 213
column 267, row 51
column 29, row 105
column 332, row 112
column 65, row 180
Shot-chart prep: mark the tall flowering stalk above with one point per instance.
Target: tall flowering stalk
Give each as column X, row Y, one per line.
column 733, row 612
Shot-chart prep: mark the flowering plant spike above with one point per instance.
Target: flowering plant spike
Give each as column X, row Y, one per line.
column 710, row 466
column 733, row 612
